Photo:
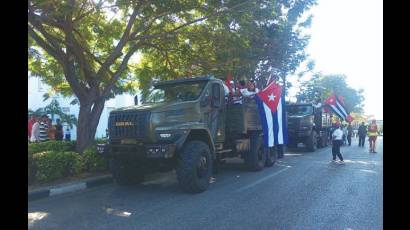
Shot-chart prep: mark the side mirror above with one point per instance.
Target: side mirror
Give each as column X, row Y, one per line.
column 136, row 100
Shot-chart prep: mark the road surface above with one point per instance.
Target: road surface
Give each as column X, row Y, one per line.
column 302, row 191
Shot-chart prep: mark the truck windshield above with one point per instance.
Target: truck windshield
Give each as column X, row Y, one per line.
column 299, row 110
column 188, row 91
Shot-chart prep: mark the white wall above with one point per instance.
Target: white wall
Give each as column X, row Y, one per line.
column 36, row 89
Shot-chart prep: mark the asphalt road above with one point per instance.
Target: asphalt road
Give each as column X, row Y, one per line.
column 301, row 191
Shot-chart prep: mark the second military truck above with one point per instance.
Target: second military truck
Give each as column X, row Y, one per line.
column 309, row 125
column 186, row 125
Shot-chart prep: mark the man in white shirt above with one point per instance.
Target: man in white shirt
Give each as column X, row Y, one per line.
column 250, row 91
column 337, row 137
column 35, row 131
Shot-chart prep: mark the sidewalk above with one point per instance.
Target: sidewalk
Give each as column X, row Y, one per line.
column 73, row 184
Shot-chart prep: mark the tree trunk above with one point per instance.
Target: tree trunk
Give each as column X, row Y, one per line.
column 88, row 120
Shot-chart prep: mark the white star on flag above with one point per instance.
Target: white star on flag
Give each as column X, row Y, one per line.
column 271, row 97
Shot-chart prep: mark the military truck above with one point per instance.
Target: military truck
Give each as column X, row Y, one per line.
column 308, row 125
column 186, row 125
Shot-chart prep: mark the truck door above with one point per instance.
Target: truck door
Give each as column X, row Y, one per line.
column 213, row 107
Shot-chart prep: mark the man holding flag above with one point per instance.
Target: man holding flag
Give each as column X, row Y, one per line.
column 272, row 111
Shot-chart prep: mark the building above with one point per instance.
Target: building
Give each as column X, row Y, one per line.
column 36, row 90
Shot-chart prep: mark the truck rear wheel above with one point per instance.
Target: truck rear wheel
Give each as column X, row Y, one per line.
column 311, row 142
column 271, row 156
column 194, row 167
column 255, row 159
column 126, row 173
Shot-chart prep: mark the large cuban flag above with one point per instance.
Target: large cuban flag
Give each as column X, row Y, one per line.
column 272, row 111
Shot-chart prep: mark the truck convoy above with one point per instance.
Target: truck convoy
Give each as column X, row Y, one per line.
column 309, row 125
column 187, row 125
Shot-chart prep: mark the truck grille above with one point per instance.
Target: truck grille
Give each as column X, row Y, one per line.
column 293, row 124
column 128, row 124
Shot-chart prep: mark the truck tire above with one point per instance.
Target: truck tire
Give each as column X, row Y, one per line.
column 255, row 159
column 194, row 167
column 311, row 142
column 126, row 173
column 271, row 157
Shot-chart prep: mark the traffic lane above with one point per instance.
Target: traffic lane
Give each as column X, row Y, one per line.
column 305, row 193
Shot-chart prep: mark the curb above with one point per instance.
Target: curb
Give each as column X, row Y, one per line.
column 72, row 187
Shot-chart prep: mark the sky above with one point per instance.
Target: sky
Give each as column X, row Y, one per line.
column 347, row 38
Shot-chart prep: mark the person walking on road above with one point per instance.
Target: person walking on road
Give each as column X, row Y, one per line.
column 337, row 137
column 349, row 134
column 372, row 133
column 362, row 134
column 344, row 129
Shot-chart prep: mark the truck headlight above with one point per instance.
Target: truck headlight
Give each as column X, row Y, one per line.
column 100, row 148
column 165, row 135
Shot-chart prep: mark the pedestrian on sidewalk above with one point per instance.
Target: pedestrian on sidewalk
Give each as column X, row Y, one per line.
column 372, row 133
column 67, row 135
column 51, row 132
column 35, row 131
column 59, row 131
column 30, row 125
column 362, row 134
column 337, row 142
column 349, row 133
column 44, row 128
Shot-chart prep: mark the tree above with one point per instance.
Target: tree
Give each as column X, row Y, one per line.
column 83, row 47
column 320, row 87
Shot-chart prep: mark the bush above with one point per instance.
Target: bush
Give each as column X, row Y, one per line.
column 52, row 165
column 93, row 161
column 57, row 146
column 31, row 169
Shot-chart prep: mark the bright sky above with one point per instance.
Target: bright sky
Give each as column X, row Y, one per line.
column 347, row 38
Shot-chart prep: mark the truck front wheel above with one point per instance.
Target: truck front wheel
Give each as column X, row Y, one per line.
column 194, row 167
column 255, row 159
column 125, row 172
column 311, row 142
column 271, row 156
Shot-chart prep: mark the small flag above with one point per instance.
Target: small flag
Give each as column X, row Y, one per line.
column 272, row 111
column 337, row 107
column 228, row 82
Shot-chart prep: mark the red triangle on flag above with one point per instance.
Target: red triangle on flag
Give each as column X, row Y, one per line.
column 271, row 95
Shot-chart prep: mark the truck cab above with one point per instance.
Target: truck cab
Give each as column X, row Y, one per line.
column 186, row 125
column 309, row 125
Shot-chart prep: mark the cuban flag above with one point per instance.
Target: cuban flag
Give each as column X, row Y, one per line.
column 338, row 108
column 272, row 112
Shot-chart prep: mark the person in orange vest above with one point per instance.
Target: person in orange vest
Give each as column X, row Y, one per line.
column 372, row 133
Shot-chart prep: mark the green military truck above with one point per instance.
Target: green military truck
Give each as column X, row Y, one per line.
column 186, row 125
column 308, row 125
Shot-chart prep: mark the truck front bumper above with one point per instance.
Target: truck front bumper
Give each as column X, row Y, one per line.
column 147, row 151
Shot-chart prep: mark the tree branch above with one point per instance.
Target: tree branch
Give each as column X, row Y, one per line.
column 118, row 49
column 47, row 47
column 120, row 70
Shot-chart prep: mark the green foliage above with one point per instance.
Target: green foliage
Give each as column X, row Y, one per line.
column 320, row 87
column 53, row 165
column 52, row 160
column 58, row 146
column 93, row 161
column 31, row 169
